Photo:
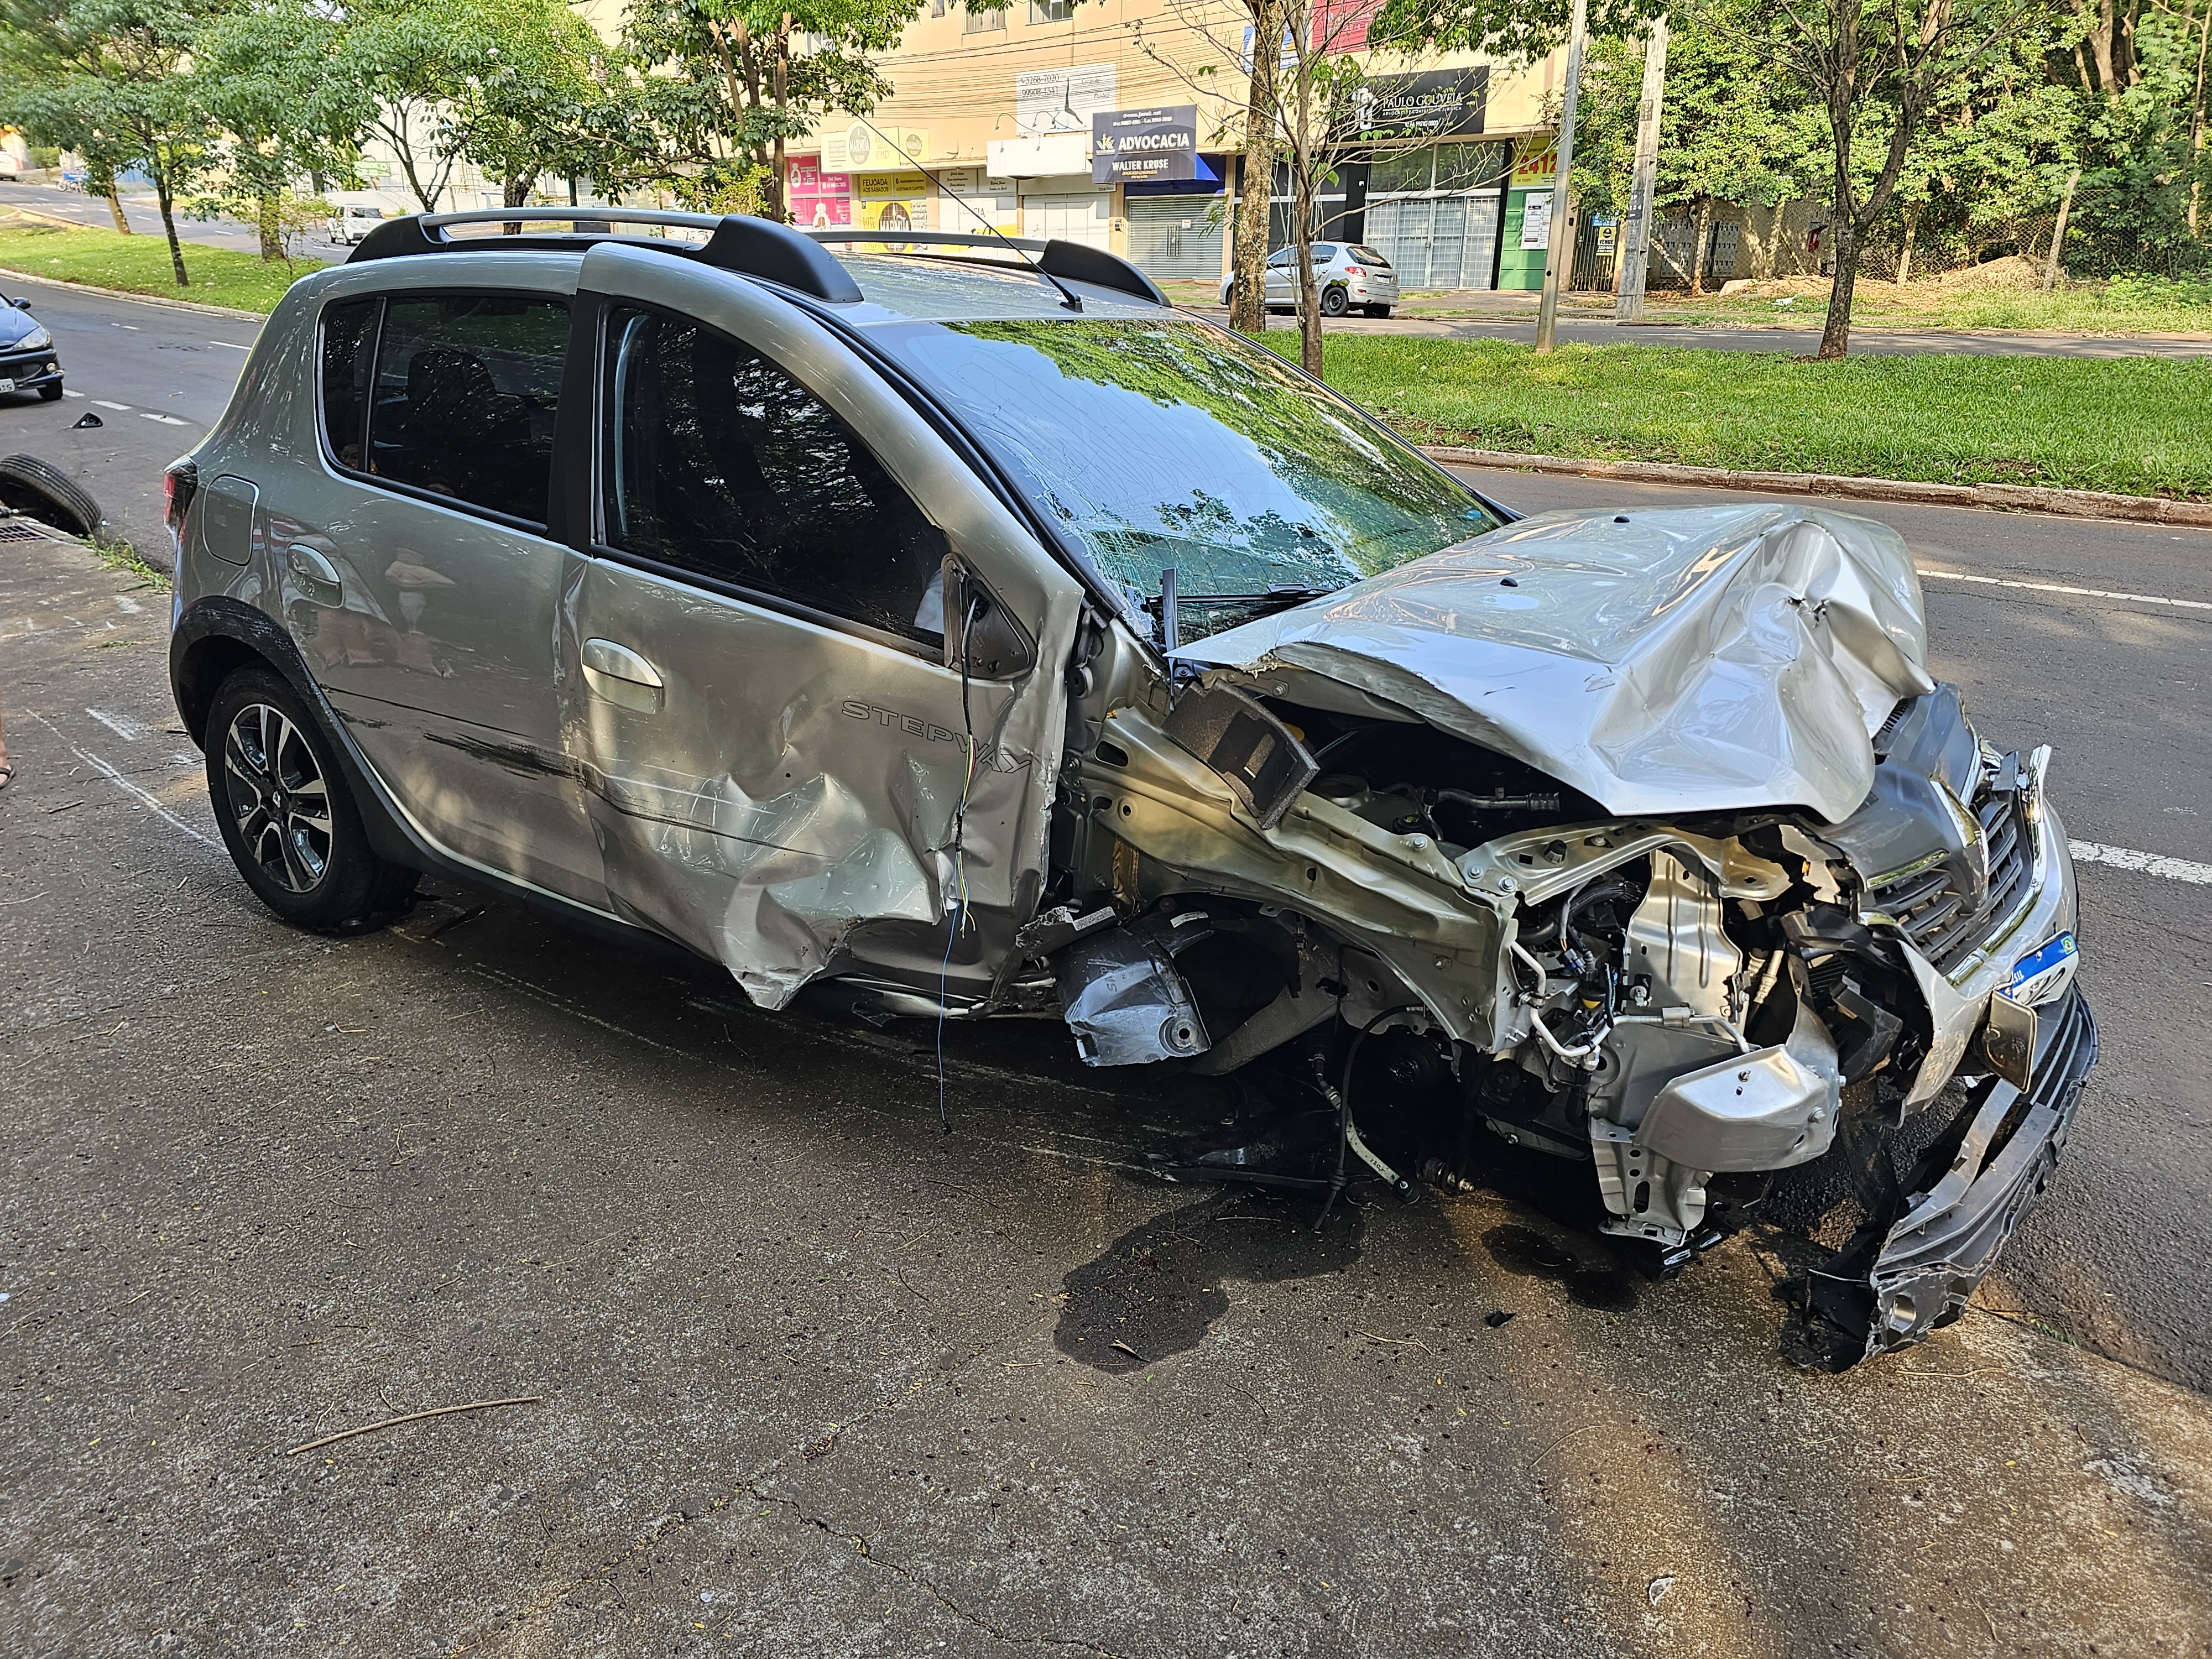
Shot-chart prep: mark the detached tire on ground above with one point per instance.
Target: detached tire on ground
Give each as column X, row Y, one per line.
column 30, row 486
column 50, row 392
column 286, row 814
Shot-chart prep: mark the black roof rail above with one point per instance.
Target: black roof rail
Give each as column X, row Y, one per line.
column 1072, row 262
column 733, row 241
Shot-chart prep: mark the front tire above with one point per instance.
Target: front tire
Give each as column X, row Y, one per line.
column 50, row 392
column 286, row 814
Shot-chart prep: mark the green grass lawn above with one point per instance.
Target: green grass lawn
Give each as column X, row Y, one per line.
column 140, row 264
column 2126, row 304
column 2138, row 425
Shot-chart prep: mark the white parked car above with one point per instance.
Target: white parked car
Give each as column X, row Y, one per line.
column 352, row 221
column 1346, row 274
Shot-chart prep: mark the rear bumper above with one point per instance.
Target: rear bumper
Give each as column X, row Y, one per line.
column 1939, row 1250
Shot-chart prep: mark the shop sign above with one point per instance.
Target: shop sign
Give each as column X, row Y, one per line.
column 817, row 199
column 868, row 143
column 1536, row 169
column 1434, row 104
column 890, row 202
column 1536, row 219
column 1061, row 100
column 1143, row 146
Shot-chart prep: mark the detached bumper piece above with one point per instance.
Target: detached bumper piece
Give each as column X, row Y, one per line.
column 1936, row 1252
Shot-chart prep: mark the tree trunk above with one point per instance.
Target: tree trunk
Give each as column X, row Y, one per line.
column 1836, row 334
column 1302, row 167
column 1905, row 253
column 169, row 225
column 2196, row 125
column 102, row 181
column 779, row 84
column 2051, row 272
column 1248, row 293
column 269, row 225
column 1703, row 235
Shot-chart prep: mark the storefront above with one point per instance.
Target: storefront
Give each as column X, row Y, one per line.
column 1168, row 190
column 1434, row 195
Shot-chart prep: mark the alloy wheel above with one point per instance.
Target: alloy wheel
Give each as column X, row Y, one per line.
column 278, row 798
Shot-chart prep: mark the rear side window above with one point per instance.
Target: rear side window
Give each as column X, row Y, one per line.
column 348, row 351
column 466, row 390
column 1323, row 252
column 720, row 464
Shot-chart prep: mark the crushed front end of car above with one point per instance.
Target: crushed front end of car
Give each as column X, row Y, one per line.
column 1645, row 843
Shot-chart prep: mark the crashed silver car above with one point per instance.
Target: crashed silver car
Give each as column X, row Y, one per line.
column 955, row 631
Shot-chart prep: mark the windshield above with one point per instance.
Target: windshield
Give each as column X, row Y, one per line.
column 1166, row 443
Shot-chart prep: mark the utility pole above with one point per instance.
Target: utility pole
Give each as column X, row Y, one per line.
column 1558, row 261
column 1636, row 232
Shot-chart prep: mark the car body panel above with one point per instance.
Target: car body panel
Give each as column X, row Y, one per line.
column 1692, row 660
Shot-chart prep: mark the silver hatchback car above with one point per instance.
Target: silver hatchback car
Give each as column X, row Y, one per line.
column 957, row 632
column 1347, row 276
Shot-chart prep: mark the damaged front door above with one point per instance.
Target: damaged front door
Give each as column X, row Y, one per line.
column 782, row 768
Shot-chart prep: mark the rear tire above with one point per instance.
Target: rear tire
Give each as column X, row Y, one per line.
column 50, row 392
column 30, row 486
column 287, row 817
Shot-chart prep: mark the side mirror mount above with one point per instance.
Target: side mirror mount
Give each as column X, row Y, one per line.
column 20, row 305
column 979, row 631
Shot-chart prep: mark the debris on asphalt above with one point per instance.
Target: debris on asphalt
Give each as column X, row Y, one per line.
column 1500, row 1317
column 1123, row 1348
column 414, row 1416
column 86, row 422
column 1658, row 1587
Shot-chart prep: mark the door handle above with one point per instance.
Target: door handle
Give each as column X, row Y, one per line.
column 319, row 578
column 620, row 676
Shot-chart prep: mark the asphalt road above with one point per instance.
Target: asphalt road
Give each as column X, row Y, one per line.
column 143, row 216
column 812, row 1378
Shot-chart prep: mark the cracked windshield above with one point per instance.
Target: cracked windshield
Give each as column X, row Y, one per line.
column 1171, row 445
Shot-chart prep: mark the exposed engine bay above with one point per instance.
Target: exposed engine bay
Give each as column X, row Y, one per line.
column 1400, row 950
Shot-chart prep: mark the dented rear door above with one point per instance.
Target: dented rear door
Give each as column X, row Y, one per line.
column 771, row 749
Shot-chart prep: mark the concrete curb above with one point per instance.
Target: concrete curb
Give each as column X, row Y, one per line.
column 1997, row 498
column 124, row 293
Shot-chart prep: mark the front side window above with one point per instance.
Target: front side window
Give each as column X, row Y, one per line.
column 721, row 463
column 1168, row 444
column 467, row 386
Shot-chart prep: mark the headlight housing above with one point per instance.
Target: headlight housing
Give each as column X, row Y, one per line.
column 37, row 340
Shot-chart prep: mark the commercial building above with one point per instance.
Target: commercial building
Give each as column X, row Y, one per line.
column 1118, row 124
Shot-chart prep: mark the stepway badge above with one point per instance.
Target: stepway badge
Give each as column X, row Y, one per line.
column 1142, row 146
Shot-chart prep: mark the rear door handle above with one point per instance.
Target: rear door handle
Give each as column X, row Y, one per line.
column 620, row 676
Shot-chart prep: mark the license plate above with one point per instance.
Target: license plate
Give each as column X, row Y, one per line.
column 2043, row 970
column 7, row 385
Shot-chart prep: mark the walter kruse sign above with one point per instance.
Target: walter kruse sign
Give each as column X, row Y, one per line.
column 1143, row 146
column 1436, row 104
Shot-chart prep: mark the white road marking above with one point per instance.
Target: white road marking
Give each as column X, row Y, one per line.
column 122, row 725
column 2060, row 587
column 133, row 327
column 231, row 344
column 166, row 419
column 149, row 801
column 104, row 403
column 2154, row 864
column 72, row 391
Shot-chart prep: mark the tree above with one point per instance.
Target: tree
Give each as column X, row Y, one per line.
column 1874, row 70
column 260, row 73
column 105, row 78
column 722, row 86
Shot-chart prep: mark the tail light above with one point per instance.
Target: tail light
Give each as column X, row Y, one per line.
column 1353, row 270
column 179, row 485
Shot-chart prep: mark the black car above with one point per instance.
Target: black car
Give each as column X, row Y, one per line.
column 28, row 360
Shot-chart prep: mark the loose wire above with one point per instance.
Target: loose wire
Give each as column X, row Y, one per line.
column 959, row 860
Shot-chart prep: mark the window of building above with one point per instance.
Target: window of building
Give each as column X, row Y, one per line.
column 721, row 463
column 1051, row 11
column 982, row 22
column 349, row 351
column 466, row 389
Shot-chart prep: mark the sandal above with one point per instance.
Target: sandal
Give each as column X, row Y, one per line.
column 7, row 775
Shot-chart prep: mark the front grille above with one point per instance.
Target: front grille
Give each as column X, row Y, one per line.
column 1934, row 918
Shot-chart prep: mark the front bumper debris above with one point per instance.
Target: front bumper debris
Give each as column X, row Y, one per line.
column 1933, row 1255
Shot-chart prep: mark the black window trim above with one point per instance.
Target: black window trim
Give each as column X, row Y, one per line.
column 604, row 415
column 541, row 528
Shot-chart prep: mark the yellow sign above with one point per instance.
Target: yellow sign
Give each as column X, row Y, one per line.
column 881, row 186
column 872, row 143
column 1537, row 169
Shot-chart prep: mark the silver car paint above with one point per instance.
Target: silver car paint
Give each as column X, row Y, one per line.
column 1696, row 661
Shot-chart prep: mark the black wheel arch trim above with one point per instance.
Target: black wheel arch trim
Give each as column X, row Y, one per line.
column 218, row 634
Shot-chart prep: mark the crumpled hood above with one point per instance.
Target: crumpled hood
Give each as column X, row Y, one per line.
column 1699, row 659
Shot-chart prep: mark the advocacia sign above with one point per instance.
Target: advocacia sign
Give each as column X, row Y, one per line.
column 1143, row 146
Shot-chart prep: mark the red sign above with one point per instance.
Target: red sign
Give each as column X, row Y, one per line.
column 817, row 199
column 1342, row 26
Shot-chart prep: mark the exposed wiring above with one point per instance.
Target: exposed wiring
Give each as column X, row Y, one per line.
column 959, row 912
